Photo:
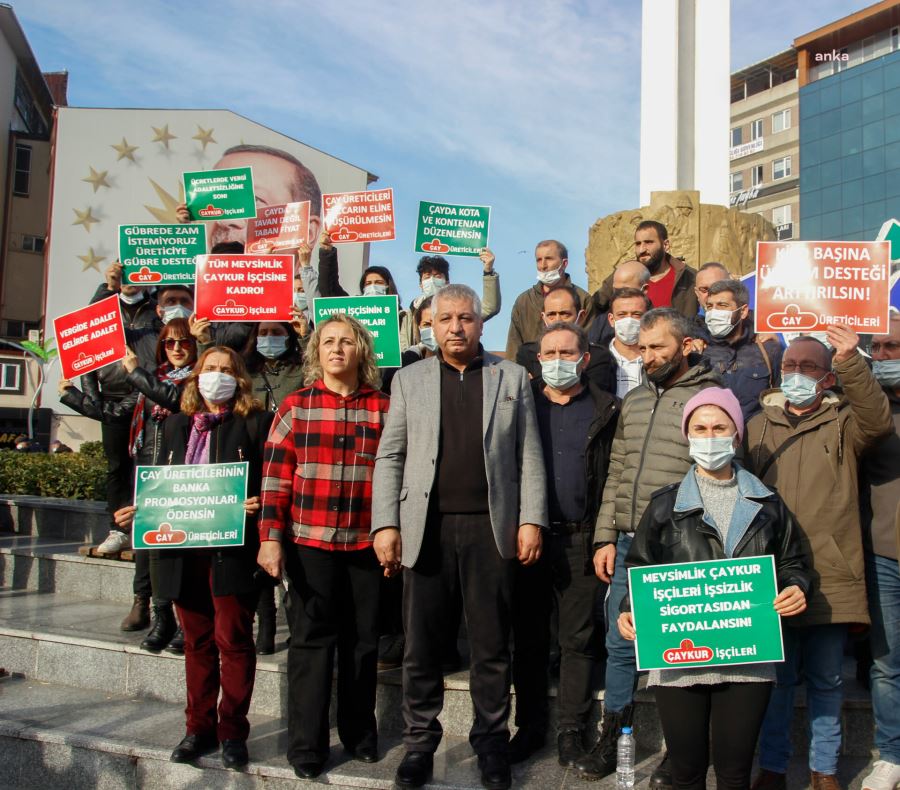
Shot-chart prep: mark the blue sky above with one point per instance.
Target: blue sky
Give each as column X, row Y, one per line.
column 530, row 107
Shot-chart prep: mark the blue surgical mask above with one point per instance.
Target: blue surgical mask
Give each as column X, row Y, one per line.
column 431, row 285
column 175, row 311
column 561, row 373
column 271, row 346
column 711, row 453
column 300, row 300
column 375, row 289
column 887, row 371
column 800, row 390
column 426, row 333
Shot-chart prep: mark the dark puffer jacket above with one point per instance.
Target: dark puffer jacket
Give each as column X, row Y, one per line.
column 649, row 450
column 748, row 365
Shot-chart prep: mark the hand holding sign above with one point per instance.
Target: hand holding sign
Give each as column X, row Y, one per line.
column 113, row 276
column 626, row 626
column 843, row 340
column 487, row 260
column 790, row 601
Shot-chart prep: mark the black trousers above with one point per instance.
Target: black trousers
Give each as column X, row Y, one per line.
column 733, row 711
column 560, row 574
column 334, row 607
column 459, row 555
column 119, row 467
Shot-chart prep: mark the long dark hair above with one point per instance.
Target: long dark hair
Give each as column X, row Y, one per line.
column 381, row 271
column 256, row 361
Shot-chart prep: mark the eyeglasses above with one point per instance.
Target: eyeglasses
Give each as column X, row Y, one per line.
column 803, row 367
column 178, row 342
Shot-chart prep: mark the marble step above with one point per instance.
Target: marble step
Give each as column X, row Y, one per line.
column 54, row 735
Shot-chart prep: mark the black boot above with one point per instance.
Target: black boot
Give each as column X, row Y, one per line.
column 601, row 761
column 162, row 628
column 176, row 646
column 265, row 623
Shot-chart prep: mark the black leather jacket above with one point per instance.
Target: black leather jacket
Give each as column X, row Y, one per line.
column 665, row 535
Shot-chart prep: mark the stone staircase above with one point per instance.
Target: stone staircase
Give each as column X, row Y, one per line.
column 83, row 706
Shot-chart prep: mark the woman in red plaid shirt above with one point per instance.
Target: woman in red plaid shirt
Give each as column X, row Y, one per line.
column 316, row 516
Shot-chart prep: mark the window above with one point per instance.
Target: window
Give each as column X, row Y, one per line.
column 781, row 121
column 895, row 38
column 32, row 243
column 781, row 168
column 736, row 137
column 756, row 129
column 22, row 176
column 20, row 329
column 781, row 215
column 737, row 182
column 868, row 48
column 756, row 175
column 11, row 377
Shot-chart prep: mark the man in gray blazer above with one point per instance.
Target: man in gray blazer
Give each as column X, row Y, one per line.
column 458, row 498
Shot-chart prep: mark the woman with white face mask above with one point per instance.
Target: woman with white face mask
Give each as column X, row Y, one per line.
column 215, row 590
column 718, row 511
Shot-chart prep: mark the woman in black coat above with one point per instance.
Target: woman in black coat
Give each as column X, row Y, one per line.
column 156, row 395
column 215, row 590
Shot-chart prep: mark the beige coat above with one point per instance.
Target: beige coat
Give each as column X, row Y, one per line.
column 815, row 468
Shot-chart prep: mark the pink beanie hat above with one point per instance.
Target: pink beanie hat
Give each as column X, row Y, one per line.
column 715, row 396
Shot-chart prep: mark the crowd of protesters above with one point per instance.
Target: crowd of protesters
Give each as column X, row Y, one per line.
column 644, row 424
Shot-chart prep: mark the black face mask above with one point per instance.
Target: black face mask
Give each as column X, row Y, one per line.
column 663, row 373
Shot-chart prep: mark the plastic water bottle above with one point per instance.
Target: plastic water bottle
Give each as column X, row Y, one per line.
column 625, row 760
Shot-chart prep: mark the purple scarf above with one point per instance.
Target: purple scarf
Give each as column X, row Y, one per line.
column 198, row 442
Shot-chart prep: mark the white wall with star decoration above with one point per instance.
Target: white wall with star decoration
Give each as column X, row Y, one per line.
column 123, row 166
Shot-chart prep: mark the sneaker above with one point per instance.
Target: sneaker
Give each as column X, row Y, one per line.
column 115, row 543
column 884, row 776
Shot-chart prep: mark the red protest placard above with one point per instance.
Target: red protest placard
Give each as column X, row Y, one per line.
column 359, row 216
column 278, row 227
column 803, row 286
column 90, row 338
column 244, row 287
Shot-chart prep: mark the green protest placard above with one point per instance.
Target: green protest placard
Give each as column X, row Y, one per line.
column 220, row 194
column 160, row 254
column 449, row 229
column 378, row 314
column 705, row 614
column 189, row 506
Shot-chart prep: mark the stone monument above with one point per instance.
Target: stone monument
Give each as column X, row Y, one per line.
column 698, row 232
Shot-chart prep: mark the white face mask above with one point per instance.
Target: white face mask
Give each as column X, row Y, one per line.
column 216, row 387
column 175, row 311
column 132, row 298
column 720, row 322
column 431, row 285
column 627, row 330
column 887, row 371
column 712, row 453
column 426, row 333
column 561, row 374
column 551, row 277
column 375, row 289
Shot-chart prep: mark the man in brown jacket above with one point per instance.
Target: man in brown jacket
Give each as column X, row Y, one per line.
column 807, row 443
column 526, row 322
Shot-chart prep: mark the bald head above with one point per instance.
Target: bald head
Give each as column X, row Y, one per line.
column 631, row 274
column 562, row 304
column 806, row 349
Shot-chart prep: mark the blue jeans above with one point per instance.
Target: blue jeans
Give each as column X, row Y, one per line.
column 819, row 649
column 621, row 669
column 883, row 585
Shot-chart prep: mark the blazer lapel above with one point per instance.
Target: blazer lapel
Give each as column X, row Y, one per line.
column 490, row 386
column 431, row 397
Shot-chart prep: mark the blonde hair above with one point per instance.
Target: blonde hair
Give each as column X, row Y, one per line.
column 367, row 370
column 243, row 402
